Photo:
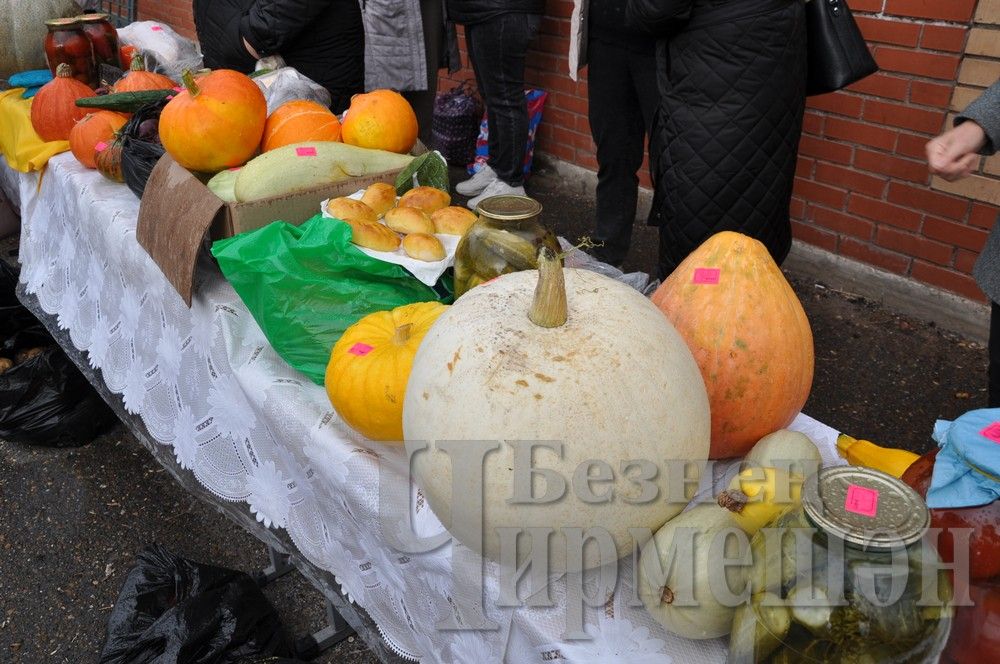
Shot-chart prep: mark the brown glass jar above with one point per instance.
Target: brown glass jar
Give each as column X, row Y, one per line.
column 505, row 238
column 103, row 37
column 67, row 43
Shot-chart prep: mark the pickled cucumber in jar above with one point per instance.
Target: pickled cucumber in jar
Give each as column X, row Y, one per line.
column 869, row 592
column 506, row 238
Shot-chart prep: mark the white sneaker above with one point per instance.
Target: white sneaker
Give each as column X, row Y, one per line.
column 495, row 188
column 478, row 182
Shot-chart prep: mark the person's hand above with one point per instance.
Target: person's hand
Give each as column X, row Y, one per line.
column 250, row 49
column 952, row 155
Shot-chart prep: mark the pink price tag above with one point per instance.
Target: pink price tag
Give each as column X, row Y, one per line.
column 169, row 97
column 157, row 28
column 305, row 152
column 101, row 147
column 708, row 276
column 992, row 432
column 360, row 349
column 178, row 89
column 861, row 500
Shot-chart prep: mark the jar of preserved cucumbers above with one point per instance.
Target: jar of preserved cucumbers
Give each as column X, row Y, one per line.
column 846, row 577
column 505, row 238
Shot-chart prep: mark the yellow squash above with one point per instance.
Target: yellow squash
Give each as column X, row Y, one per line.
column 866, row 453
column 370, row 366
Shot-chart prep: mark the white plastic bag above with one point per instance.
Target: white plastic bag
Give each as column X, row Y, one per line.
column 165, row 51
column 287, row 83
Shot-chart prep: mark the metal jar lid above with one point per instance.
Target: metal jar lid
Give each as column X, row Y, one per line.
column 62, row 23
column 93, row 17
column 865, row 507
column 509, row 207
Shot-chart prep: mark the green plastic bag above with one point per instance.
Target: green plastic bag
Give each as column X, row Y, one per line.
column 305, row 285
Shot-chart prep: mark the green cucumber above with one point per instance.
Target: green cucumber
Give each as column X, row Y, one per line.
column 125, row 102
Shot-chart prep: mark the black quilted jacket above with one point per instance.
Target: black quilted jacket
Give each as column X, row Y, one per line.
column 323, row 39
column 732, row 77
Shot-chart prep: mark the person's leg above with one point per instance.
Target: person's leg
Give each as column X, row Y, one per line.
column 480, row 44
column 993, row 370
column 422, row 101
column 499, row 47
column 618, row 127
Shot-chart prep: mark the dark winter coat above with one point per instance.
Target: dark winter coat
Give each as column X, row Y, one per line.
column 732, row 78
column 985, row 111
column 467, row 12
column 323, row 39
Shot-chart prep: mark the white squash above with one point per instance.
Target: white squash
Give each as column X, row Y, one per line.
column 683, row 593
column 22, row 31
column 793, row 450
column 611, row 379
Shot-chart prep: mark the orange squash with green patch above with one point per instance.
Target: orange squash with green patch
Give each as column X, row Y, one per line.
column 749, row 334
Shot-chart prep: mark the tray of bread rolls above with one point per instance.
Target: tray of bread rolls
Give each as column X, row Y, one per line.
column 419, row 230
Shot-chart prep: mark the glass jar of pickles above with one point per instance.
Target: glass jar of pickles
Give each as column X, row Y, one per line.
column 103, row 37
column 67, row 43
column 506, row 238
column 845, row 577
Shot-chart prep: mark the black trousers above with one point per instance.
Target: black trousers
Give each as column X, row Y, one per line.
column 422, row 101
column 622, row 97
column 497, row 48
column 993, row 369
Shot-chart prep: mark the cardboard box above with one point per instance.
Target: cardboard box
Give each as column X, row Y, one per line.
column 178, row 212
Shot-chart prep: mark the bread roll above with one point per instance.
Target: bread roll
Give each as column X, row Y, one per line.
column 380, row 197
column 423, row 247
column 453, row 220
column 408, row 220
column 349, row 209
column 427, row 199
column 373, row 235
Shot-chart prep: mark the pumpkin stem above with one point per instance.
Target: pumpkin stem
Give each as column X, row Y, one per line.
column 188, row 79
column 137, row 63
column 402, row 334
column 549, row 309
column 666, row 596
column 63, row 70
column 733, row 500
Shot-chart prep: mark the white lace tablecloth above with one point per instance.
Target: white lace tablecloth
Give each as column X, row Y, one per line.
column 206, row 383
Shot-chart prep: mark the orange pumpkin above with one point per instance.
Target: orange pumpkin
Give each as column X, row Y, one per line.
column 381, row 120
column 93, row 129
column 747, row 331
column 298, row 121
column 137, row 78
column 109, row 160
column 54, row 110
column 215, row 123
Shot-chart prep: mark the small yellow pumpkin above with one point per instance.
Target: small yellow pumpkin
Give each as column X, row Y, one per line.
column 370, row 366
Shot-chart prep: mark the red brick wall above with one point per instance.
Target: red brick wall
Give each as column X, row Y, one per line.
column 862, row 187
column 175, row 13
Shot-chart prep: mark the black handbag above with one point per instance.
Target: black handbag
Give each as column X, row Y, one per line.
column 838, row 54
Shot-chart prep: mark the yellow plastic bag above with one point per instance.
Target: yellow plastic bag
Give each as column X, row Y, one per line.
column 24, row 150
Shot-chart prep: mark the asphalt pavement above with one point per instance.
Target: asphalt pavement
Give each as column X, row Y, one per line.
column 72, row 520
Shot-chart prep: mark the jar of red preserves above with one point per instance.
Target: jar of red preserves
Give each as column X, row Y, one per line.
column 67, row 43
column 103, row 37
column 982, row 522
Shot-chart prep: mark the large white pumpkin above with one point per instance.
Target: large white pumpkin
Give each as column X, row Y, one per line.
column 614, row 383
column 22, row 31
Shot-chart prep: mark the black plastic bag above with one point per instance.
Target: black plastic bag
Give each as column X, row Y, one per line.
column 44, row 399
column 455, row 123
column 141, row 147
column 171, row 609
